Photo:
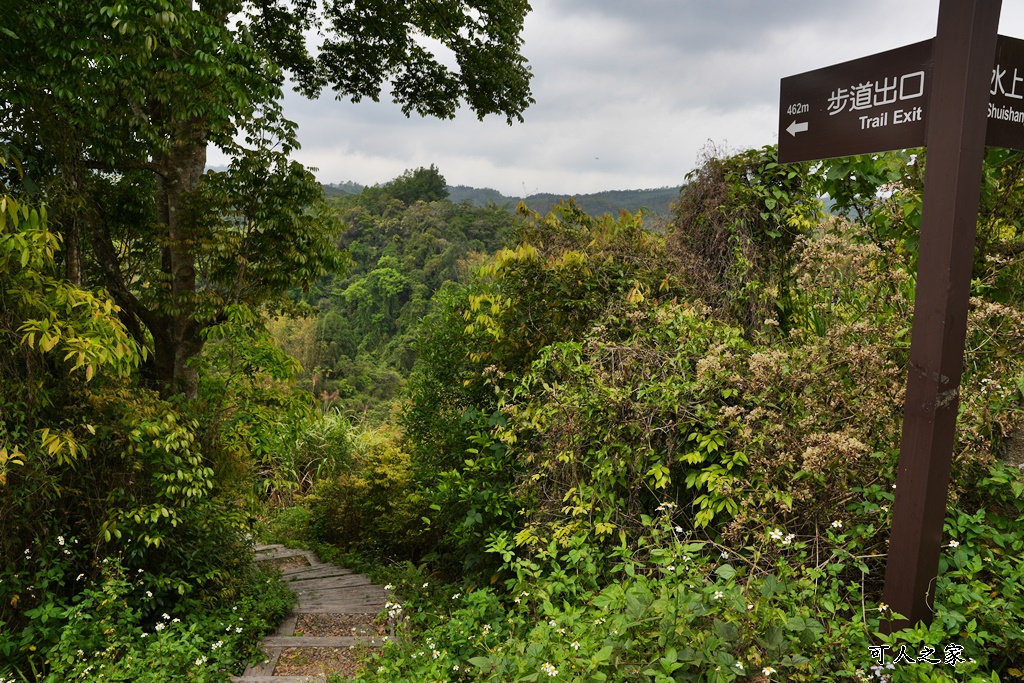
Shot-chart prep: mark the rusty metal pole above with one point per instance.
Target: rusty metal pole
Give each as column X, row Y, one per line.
column 964, row 51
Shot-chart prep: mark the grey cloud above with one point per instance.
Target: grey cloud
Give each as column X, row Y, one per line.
column 641, row 84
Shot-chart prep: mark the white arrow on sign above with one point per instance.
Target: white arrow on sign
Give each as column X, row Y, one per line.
column 795, row 128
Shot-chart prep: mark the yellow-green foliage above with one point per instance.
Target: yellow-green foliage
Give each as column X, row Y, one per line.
column 91, row 464
column 373, row 505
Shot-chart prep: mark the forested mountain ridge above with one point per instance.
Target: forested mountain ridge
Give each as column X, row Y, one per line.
column 405, row 241
column 657, row 200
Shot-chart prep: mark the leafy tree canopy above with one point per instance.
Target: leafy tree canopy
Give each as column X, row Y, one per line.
column 114, row 105
column 423, row 184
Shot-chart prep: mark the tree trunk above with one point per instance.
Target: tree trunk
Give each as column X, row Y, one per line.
column 180, row 340
column 72, row 253
column 176, row 334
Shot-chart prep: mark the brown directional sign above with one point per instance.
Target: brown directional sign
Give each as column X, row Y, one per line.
column 880, row 102
column 871, row 104
column 1006, row 96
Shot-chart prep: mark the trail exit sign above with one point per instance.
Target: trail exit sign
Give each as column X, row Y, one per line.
column 956, row 93
column 880, row 102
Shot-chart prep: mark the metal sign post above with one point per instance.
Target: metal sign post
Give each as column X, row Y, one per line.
column 965, row 47
column 945, row 94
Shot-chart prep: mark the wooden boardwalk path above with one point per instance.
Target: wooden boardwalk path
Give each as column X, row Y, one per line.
column 325, row 592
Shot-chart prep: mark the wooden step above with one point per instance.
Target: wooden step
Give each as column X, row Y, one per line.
column 329, row 583
column 322, row 641
column 354, row 607
column 279, row 679
column 288, row 552
column 321, row 588
column 320, row 571
column 265, row 548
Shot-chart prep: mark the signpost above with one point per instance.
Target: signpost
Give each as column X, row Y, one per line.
column 952, row 94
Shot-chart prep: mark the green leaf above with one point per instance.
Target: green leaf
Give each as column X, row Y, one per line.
column 481, row 662
column 726, row 572
column 726, row 631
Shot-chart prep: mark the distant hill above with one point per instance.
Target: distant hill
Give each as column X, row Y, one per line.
column 610, row 201
column 479, row 196
column 342, row 189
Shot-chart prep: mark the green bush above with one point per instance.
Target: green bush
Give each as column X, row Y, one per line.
column 289, row 526
column 566, row 272
column 374, row 506
column 107, row 635
column 787, row 607
column 663, row 495
column 95, row 465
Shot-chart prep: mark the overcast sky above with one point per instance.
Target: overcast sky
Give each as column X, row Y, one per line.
column 629, row 93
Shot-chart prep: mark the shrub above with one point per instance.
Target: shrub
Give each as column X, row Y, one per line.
column 735, row 225
column 665, row 495
column 107, row 636
column 374, row 506
column 788, row 607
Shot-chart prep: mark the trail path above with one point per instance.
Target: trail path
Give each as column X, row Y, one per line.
column 334, row 614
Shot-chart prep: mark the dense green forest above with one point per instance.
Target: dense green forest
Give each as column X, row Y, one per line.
column 147, row 415
column 665, row 455
column 582, row 445
column 405, row 241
